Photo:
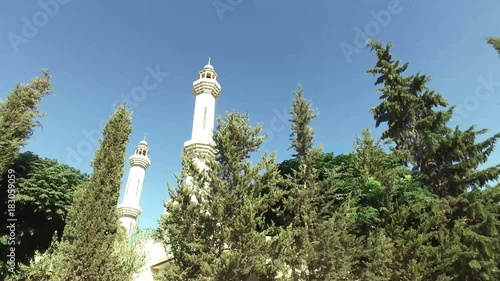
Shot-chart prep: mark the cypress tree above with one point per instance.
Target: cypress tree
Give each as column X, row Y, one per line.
column 93, row 238
column 18, row 117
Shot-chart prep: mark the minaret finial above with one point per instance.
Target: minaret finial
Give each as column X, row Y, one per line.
column 144, row 136
column 208, row 60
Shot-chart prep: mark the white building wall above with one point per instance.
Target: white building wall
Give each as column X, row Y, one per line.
column 204, row 118
column 154, row 253
column 134, row 186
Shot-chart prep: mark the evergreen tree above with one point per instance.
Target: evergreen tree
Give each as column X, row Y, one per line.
column 320, row 248
column 18, row 117
column 400, row 219
column 477, row 226
column 445, row 159
column 215, row 219
column 495, row 42
column 93, row 237
column 371, row 161
column 374, row 174
column 455, row 238
column 182, row 228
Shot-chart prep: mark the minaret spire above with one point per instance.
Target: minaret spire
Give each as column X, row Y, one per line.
column 209, row 60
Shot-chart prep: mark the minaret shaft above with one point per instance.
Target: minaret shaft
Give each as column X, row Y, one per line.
column 204, row 118
column 134, row 186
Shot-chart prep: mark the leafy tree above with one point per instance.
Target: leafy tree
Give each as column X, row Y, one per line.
column 18, row 117
column 495, row 42
column 93, row 235
column 44, row 193
column 215, row 219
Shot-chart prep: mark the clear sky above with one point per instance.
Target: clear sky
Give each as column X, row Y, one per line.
column 98, row 51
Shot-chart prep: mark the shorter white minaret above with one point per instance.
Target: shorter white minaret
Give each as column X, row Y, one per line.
column 129, row 211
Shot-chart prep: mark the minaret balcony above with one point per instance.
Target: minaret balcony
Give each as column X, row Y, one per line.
column 199, row 149
column 139, row 160
column 206, row 85
column 128, row 211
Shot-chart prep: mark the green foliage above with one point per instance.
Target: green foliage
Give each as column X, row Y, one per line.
column 93, row 238
column 46, row 266
column 18, row 117
column 321, row 247
column 44, row 193
column 452, row 232
column 478, row 213
column 420, row 210
column 336, row 173
column 445, row 159
column 215, row 223
column 495, row 42
column 42, row 267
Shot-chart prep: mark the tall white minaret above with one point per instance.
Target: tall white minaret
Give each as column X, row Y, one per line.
column 206, row 89
column 130, row 210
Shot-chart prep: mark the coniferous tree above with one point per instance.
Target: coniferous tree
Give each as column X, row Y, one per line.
column 18, row 117
column 93, row 238
column 445, row 159
column 477, row 226
column 456, row 238
column 215, row 219
column 375, row 173
column 182, row 229
column 321, row 248
column 336, row 174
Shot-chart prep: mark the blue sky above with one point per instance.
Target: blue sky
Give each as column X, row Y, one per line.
column 98, row 51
